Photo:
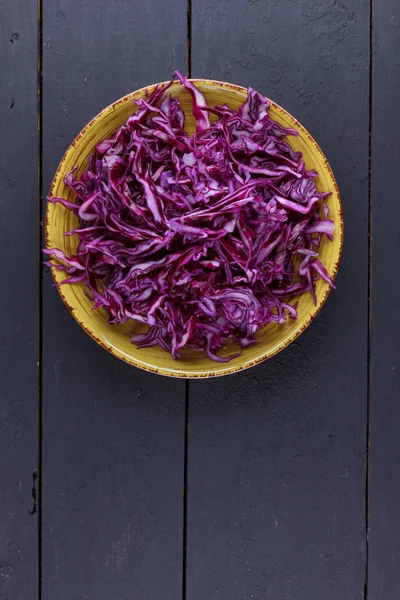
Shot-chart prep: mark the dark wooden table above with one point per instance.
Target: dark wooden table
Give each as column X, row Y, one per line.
column 279, row 483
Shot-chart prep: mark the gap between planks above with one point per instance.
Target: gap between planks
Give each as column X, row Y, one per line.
column 368, row 427
column 40, row 278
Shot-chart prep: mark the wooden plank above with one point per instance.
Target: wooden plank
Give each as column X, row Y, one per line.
column 19, row 226
column 113, row 436
column 384, row 518
column 276, row 455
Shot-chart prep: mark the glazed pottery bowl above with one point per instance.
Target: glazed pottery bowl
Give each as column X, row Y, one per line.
column 116, row 338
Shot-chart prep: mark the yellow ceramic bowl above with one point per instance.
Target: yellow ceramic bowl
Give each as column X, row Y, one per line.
column 116, row 339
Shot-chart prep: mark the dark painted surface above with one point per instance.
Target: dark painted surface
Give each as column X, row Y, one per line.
column 276, row 456
column 276, row 463
column 113, row 436
column 384, row 521
column 18, row 300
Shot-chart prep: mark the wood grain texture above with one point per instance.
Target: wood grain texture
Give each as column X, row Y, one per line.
column 19, row 222
column 276, row 456
column 112, row 435
column 384, row 518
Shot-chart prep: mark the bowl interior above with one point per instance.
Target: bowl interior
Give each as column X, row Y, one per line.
column 116, row 339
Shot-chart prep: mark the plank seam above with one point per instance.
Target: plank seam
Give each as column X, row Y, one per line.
column 185, row 491
column 368, row 428
column 40, row 278
column 189, row 38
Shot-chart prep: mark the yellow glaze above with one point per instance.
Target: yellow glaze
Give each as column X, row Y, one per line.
column 116, row 339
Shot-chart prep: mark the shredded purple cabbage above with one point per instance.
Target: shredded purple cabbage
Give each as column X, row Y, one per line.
column 203, row 238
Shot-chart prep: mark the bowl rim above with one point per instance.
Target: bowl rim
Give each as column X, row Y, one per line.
column 224, row 368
